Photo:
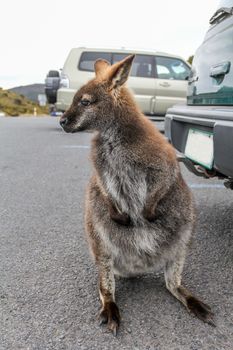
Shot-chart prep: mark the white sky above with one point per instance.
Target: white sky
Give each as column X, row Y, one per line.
column 37, row 35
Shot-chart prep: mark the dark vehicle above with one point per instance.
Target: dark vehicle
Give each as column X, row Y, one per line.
column 52, row 83
column 202, row 130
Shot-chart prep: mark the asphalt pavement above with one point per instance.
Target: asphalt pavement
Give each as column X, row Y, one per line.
column 48, row 282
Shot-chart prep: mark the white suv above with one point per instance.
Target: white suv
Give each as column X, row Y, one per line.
column 158, row 80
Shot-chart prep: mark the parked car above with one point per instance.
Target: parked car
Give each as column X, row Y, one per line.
column 202, row 129
column 158, row 80
column 52, row 83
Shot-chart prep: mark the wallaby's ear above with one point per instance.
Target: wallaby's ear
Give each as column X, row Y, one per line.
column 101, row 67
column 119, row 72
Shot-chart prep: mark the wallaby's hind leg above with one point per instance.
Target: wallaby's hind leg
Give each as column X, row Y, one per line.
column 109, row 313
column 173, row 271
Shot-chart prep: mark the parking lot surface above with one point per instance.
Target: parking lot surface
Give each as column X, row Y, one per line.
column 48, row 284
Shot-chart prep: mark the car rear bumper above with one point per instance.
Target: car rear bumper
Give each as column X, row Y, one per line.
column 217, row 120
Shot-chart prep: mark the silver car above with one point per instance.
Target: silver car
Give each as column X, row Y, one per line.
column 158, row 80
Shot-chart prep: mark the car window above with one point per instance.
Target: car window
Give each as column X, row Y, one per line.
column 163, row 72
column 88, row 59
column 171, row 68
column 143, row 65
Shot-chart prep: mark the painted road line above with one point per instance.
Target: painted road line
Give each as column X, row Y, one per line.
column 76, row 146
column 197, row 186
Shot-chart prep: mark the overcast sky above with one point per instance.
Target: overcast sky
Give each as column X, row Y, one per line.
column 37, row 35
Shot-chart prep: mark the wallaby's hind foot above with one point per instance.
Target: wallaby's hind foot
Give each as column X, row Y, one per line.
column 110, row 315
column 173, row 272
column 196, row 306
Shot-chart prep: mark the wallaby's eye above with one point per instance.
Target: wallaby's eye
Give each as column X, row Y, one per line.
column 85, row 102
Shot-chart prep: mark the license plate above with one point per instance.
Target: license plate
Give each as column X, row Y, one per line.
column 199, row 147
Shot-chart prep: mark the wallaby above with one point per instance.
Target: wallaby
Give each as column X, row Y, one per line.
column 139, row 214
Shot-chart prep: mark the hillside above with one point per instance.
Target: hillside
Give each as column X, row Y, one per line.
column 13, row 104
column 30, row 91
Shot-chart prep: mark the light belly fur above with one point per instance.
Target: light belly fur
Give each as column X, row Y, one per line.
column 142, row 251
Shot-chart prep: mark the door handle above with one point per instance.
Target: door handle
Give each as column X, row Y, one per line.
column 220, row 69
column 165, row 84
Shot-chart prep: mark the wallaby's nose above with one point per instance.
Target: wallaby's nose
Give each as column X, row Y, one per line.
column 63, row 122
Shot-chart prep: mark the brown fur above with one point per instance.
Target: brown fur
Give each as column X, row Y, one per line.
column 139, row 213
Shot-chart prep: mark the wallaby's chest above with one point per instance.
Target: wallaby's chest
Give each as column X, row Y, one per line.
column 122, row 178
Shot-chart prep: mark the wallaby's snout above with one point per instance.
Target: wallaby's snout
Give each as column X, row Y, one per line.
column 67, row 122
column 84, row 110
column 70, row 120
column 63, row 121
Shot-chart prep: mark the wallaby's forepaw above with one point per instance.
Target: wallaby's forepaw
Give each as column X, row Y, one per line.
column 201, row 310
column 121, row 219
column 150, row 218
column 149, row 215
column 111, row 316
column 117, row 216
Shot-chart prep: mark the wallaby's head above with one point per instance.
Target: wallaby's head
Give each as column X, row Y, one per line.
column 94, row 104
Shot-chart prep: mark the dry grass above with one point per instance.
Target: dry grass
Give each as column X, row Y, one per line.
column 13, row 104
